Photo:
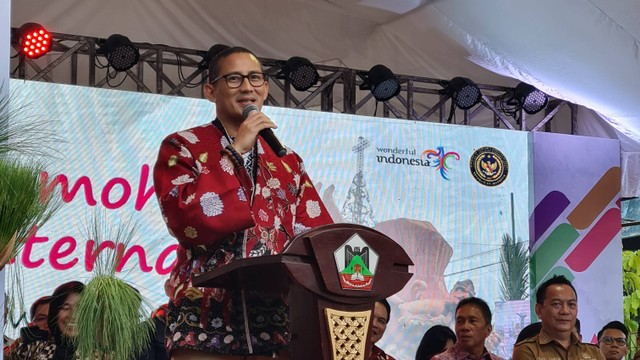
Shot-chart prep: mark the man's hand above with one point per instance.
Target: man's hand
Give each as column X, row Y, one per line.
column 249, row 129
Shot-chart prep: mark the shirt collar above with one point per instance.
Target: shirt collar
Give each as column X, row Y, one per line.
column 545, row 338
column 463, row 354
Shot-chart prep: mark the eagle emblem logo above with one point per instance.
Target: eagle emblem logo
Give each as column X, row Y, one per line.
column 356, row 263
column 489, row 166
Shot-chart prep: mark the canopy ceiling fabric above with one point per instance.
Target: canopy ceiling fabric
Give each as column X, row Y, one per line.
column 584, row 51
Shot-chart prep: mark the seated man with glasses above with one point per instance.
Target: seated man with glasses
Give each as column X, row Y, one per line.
column 225, row 195
column 612, row 340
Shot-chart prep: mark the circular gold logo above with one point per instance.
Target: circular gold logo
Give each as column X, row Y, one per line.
column 489, row 166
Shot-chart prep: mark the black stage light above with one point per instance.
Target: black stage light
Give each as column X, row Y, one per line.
column 121, row 54
column 384, row 85
column 464, row 92
column 300, row 72
column 530, row 99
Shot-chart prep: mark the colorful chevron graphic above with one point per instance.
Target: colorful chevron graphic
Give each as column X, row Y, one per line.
column 592, row 212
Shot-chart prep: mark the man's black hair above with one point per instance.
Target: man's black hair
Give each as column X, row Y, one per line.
column 616, row 325
column 219, row 52
column 480, row 304
column 555, row 280
column 387, row 306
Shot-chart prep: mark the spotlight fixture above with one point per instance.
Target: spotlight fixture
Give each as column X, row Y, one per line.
column 384, row 85
column 300, row 72
column 121, row 54
column 34, row 40
column 464, row 92
column 530, row 99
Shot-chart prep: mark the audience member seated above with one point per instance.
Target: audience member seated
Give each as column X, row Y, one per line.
column 436, row 340
column 612, row 340
column 529, row 331
column 39, row 312
column 37, row 327
column 381, row 314
column 473, row 327
column 157, row 349
column 57, row 344
column 557, row 308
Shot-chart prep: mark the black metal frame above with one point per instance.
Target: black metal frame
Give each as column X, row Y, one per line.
column 74, row 60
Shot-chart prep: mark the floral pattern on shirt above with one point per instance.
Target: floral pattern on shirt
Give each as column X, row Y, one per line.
column 219, row 214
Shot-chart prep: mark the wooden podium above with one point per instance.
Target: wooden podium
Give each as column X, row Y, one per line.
column 332, row 274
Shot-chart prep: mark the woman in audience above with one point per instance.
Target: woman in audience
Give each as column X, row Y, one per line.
column 436, row 340
column 58, row 344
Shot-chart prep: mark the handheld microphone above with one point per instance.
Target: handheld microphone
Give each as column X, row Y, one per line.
column 266, row 134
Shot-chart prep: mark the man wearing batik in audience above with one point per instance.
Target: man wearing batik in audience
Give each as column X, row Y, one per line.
column 226, row 195
column 472, row 328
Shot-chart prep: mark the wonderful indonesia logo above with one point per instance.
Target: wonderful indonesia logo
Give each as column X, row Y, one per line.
column 439, row 159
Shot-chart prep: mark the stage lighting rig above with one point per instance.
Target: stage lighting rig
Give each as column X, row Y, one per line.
column 121, row 54
column 464, row 93
column 300, row 72
column 34, row 40
column 384, row 85
column 530, row 99
column 524, row 97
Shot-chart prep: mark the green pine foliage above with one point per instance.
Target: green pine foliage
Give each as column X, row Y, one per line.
column 23, row 131
column 514, row 263
column 23, row 201
column 26, row 142
column 109, row 322
column 112, row 317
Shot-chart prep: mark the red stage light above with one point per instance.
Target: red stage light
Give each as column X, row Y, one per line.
column 34, row 40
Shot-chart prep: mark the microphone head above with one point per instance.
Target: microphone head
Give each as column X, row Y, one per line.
column 248, row 109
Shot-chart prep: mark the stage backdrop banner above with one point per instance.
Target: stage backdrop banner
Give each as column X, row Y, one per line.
column 575, row 224
column 448, row 194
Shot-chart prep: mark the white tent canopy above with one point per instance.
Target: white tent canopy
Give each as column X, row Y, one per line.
column 584, row 51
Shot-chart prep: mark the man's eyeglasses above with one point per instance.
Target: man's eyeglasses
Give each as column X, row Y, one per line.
column 235, row 80
column 609, row 340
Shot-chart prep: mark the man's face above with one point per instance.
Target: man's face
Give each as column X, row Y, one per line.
column 559, row 310
column 230, row 102
column 613, row 344
column 471, row 328
column 379, row 322
column 40, row 317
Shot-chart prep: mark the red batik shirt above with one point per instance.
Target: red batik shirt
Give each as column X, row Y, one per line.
column 219, row 213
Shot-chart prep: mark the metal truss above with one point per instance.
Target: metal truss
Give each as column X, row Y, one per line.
column 162, row 69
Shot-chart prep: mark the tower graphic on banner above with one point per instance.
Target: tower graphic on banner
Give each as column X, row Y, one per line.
column 357, row 206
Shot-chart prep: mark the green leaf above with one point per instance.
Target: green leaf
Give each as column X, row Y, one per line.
column 631, row 290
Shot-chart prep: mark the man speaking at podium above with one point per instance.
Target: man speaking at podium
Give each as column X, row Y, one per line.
column 225, row 194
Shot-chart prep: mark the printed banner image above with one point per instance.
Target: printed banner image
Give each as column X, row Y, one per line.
column 447, row 194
